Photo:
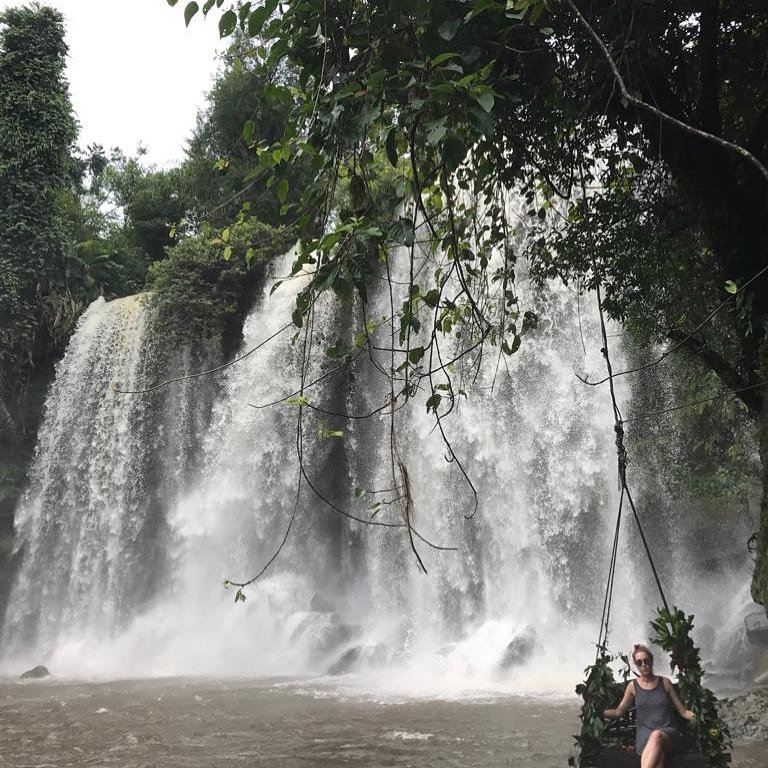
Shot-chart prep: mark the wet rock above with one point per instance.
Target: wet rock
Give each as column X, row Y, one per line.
column 35, row 673
column 747, row 715
column 519, row 649
column 346, row 662
column 756, row 625
column 320, row 605
column 332, row 636
column 358, row 656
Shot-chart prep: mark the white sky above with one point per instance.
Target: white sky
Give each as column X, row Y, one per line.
column 136, row 73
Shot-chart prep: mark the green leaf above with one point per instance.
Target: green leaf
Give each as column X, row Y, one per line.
column 256, row 21
column 432, row 297
column 391, row 147
column 454, row 151
column 434, row 402
column 436, row 129
column 323, row 433
column 282, row 190
column 731, row 287
column 402, row 232
column 448, row 29
column 442, row 90
column 190, row 11
column 207, row 6
column 248, row 130
column 416, row 354
column 484, row 98
column 329, row 240
column 228, row 253
column 227, row 24
column 172, row 2
column 440, row 58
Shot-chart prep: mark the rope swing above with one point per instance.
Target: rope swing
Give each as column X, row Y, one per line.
column 622, row 461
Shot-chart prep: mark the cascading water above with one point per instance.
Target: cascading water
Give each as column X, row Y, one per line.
column 92, row 531
column 132, row 521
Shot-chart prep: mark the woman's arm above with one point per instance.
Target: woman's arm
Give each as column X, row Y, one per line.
column 676, row 702
column 624, row 704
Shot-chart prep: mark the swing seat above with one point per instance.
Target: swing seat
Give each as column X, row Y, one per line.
column 618, row 750
column 619, row 758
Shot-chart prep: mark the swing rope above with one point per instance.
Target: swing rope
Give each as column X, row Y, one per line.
column 621, row 451
column 622, row 461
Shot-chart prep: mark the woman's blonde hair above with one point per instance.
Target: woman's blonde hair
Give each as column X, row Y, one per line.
column 640, row 647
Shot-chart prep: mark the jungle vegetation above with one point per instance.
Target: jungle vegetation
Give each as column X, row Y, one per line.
column 78, row 223
column 632, row 135
column 636, row 132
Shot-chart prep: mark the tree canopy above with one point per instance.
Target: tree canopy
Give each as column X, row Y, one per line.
column 38, row 129
column 634, row 133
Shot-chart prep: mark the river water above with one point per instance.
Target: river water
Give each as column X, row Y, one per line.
column 291, row 724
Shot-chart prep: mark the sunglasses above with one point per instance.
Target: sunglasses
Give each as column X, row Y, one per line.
column 643, row 662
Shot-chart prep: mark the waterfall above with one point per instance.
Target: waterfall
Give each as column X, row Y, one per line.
column 140, row 507
column 91, row 527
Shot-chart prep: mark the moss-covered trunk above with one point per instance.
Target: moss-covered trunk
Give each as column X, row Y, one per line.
column 760, row 577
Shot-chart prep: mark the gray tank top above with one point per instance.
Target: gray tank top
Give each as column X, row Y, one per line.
column 654, row 712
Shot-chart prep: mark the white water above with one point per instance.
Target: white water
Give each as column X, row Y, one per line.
column 127, row 533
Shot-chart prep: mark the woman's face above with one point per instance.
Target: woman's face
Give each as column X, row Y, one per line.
column 644, row 663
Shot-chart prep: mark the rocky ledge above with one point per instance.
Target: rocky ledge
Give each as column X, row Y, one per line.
column 747, row 715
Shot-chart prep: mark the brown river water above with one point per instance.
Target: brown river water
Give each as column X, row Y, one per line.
column 215, row 724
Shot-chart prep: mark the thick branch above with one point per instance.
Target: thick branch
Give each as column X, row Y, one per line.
column 627, row 98
column 726, row 371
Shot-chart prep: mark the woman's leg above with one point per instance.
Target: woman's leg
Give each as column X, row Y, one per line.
column 657, row 747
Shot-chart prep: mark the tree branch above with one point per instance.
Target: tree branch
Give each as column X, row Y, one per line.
column 728, row 373
column 628, row 98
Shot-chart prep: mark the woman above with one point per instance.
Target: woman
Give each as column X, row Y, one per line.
column 654, row 697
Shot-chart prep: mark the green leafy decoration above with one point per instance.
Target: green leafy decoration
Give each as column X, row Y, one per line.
column 672, row 632
column 600, row 691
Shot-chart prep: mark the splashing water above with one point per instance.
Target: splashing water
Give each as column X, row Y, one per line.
column 139, row 507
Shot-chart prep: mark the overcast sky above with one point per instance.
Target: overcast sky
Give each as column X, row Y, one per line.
column 136, row 73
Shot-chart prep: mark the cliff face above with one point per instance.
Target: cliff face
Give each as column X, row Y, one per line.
column 17, row 445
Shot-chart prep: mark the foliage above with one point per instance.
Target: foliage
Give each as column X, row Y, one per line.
column 600, row 691
column 38, row 129
column 672, row 632
column 205, row 285
column 143, row 203
column 706, row 450
column 666, row 209
column 221, row 171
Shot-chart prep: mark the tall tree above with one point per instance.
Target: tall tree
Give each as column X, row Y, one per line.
column 244, row 110
column 37, row 131
column 636, row 132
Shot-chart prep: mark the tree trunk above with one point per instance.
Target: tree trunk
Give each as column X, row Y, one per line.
column 760, row 577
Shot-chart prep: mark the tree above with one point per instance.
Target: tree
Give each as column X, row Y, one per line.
column 636, row 132
column 38, row 129
column 221, row 170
